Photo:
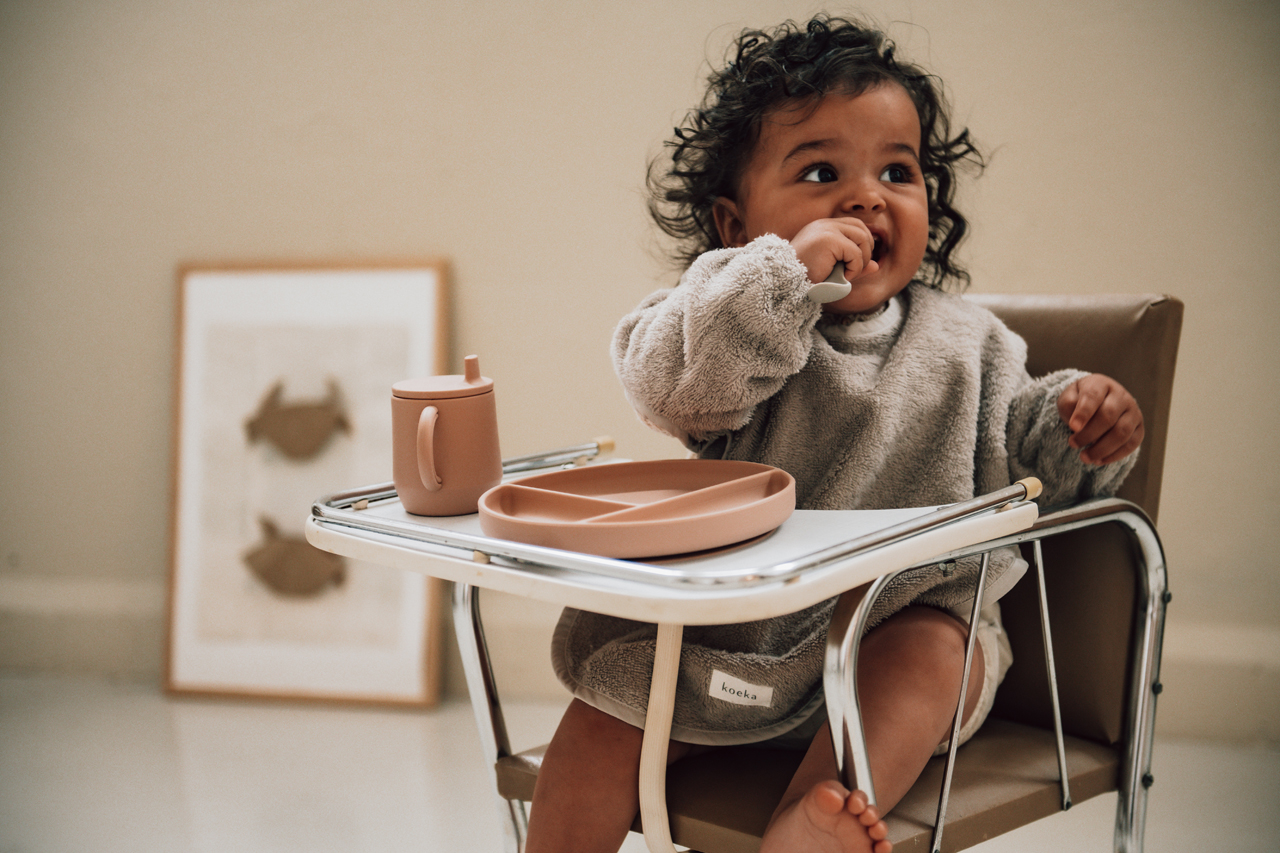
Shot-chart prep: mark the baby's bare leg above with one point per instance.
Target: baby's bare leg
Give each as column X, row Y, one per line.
column 587, row 793
column 909, row 672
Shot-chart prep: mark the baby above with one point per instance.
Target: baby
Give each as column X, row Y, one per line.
column 817, row 147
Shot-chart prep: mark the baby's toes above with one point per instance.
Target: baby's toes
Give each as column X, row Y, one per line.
column 868, row 816
column 828, row 797
column 856, row 803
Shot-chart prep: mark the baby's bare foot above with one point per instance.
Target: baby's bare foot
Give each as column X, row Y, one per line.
column 828, row 819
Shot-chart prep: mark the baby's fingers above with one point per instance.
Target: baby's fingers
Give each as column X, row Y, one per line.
column 1118, row 442
column 1077, row 406
column 861, row 246
column 1104, row 419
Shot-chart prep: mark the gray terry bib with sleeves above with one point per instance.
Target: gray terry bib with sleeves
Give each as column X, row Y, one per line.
column 928, row 404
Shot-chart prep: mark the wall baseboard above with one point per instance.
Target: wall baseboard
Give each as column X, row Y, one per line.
column 96, row 626
column 1221, row 681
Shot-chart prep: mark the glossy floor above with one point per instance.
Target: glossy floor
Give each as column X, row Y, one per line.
column 92, row 767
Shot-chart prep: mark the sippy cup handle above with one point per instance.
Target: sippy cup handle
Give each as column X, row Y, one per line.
column 835, row 287
column 426, row 449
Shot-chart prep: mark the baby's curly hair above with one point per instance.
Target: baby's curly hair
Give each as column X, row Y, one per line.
column 795, row 64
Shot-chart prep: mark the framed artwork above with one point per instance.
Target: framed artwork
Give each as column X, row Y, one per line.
column 283, row 395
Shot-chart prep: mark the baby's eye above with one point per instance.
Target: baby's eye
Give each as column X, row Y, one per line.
column 896, row 174
column 822, row 174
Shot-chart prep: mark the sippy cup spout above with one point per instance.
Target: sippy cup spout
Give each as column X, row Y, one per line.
column 471, row 369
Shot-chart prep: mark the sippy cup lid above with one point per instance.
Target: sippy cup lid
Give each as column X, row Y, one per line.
column 470, row 384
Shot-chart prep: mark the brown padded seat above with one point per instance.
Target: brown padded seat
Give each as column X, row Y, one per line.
column 1009, row 764
column 1007, row 775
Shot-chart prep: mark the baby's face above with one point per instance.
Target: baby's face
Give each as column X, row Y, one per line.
column 850, row 157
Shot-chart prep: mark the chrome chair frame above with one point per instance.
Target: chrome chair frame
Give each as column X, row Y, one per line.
column 848, row 623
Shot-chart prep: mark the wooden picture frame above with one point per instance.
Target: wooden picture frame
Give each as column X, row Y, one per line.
column 282, row 395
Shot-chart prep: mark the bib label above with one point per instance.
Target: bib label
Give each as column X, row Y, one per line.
column 739, row 692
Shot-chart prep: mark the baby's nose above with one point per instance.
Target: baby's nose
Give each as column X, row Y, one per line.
column 862, row 196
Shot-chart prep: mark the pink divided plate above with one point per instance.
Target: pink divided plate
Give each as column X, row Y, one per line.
column 641, row 509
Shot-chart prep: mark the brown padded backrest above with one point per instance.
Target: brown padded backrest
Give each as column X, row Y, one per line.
column 1088, row 573
column 1133, row 338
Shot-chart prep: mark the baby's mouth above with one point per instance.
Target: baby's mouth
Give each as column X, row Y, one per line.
column 879, row 250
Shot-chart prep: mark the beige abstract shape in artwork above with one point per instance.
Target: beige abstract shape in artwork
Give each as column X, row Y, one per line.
column 291, row 566
column 299, row 430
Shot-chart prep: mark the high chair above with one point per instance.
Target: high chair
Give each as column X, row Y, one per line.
column 1074, row 717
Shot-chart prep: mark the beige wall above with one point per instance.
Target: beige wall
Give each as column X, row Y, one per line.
column 1132, row 149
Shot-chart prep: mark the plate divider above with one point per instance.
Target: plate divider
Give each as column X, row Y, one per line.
column 570, row 498
column 655, row 509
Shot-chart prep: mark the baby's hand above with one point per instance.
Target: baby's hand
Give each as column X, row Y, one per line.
column 823, row 243
column 1104, row 419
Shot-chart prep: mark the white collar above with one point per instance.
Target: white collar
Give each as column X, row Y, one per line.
column 887, row 319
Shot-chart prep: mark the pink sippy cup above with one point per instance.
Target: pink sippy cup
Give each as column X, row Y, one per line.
column 445, row 441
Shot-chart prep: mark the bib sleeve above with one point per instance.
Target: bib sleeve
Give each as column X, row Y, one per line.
column 697, row 359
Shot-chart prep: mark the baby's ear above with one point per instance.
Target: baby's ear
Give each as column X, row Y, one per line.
column 733, row 231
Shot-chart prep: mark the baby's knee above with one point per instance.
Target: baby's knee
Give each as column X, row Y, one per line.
column 921, row 637
column 591, row 720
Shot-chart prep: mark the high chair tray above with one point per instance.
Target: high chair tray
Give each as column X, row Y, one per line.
column 641, row 509
column 811, row 556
